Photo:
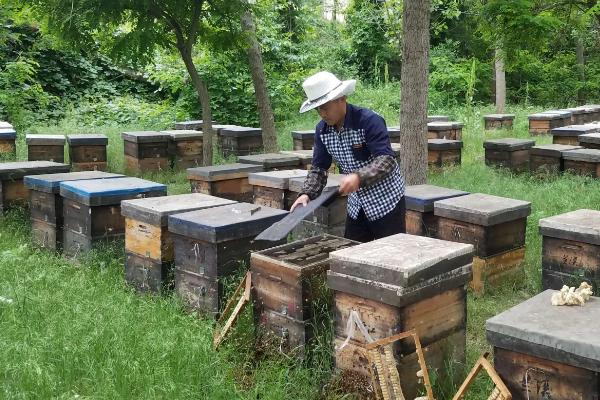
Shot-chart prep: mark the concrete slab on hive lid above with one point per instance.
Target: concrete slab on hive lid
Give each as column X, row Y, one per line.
column 580, row 226
column 508, row 144
column 41, row 140
column 270, row 160
column 50, row 183
column 482, row 209
column 552, row 150
column 145, row 137
column 183, row 134
column 19, row 169
column 593, row 138
column 574, row 130
column 222, row 172
column 584, row 155
column 240, row 131
column 276, row 179
column 421, row 197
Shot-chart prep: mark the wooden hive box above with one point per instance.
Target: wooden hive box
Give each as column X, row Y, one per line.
column 592, row 112
column 441, row 152
column 229, row 181
column 437, row 118
column 192, row 125
column 146, row 151
column 578, row 115
column 88, row 152
column 570, row 134
column 272, row 161
column 92, row 210
column 214, row 244
column 399, row 283
column 543, row 351
column 444, row 130
column 12, row 189
column 590, row 140
column 583, row 162
column 45, row 148
column 394, row 132
column 8, row 149
column 548, row 158
column 329, row 219
column 498, row 121
column 494, row 225
column 420, row 219
column 240, row 140
column 508, row 153
column 303, row 140
column 571, row 249
column 305, row 157
column 290, row 290
column 271, row 189
column 46, row 206
column 148, row 243
column 185, row 148
column 543, row 123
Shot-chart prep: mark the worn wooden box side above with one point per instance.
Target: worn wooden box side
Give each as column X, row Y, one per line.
column 148, row 275
column 140, row 165
column 93, row 222
column 421, row 223
column 568, row 140
column 45, row 235
column 515, row 160
column 233, row 189
column 87, row 153
column 14, row 193
column 147, row 240
column 496, row 270
column 547, row 164
column 440, row 158
column 569, row 261
column 198, row 292
column 582, row 168
column 46, row 153
column 7, row 146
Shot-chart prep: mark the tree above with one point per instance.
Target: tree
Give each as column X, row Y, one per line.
column 257, row 70
column 133, row 29
column 414, row 87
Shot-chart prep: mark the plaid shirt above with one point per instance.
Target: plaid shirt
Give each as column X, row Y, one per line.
column 362, row 146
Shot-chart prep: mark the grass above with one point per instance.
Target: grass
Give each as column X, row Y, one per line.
column 77, row 331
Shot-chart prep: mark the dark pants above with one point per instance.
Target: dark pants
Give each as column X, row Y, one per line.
column 363, row 230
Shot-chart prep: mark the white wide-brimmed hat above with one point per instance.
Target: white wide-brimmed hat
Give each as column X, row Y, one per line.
column 323, row 87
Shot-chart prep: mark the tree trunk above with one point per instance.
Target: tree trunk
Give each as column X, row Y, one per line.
column 581, row 70
column 500, row 80
column 414, row 86
column 204, row 98
column 334, row 11
column 265, row 112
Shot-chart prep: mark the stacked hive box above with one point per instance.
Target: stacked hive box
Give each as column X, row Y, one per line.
column 583, row 162
column 437, row 118
column 88, row 152
column 494, row 225
column 272, row 161
column 92, row 210
column 8, row 136
column 578, row 115
column 329, row 218
column 570, row 134
column 12, row 189
column 543, row 351
column 305, row 157
column 148, row 243
column 394, row 132
column 213, row 244
column 146, row 151
column 303, row 140
column 46, row 208
column 508, row 153
column 549, row 158
column 543, row 123
column 441, row 152
column 290, row 290
column 229, row 181
column 239, row 140
column 571, row 249
column 590, row 140
column 498, row 121
column 420, row 219
column 444, row 130
column 399, row 283
column 271, row 189
column 593, row 113
column 185, row 148
column 45, row 148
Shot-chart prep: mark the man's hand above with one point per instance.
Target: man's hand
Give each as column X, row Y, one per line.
column 349, row 184
column 304, row 199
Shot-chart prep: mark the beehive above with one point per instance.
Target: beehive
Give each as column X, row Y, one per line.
column 88, row 152
column 444, row 130
column 240, row 140
column 583, row 162
column 271, row 189
column 211, row 245
column 8, row 149
column 437, row 118
column 498, row 121
column 441, row 152
column 578, row 115
column 229, row 181
column 590, row 140
column 192, row 125
column 508, row 153
column 303, row 140
column 45, row 148
column 146, row 151
column 394, row 132
column 543, row 123
column 148, row 243
column 272, row 161
column 548, row 158
column 185, row 148
column 570, row 134
column 46, row 206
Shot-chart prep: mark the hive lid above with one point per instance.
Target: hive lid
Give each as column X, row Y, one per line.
column 303, row 134
column 5, row 125
column 218, row 224
column 222, row 172
column 562, row 113
column 240, row 131
column 545, row 116
column 183, row 134
column 444, row 144
column 270, row 160
column 585, row 155
column 88, row 139
column 8, row 133
column 437, row 118
column 110, row 191
column 499, row 117
column 17, row 170
column 421, row 197
column 552, row 150
column 156, row 210
column 590, row 138
column 576, row 110
column 145, row 137
column 305, row 156
column 580, row 226
column 565, row 334
column 195, row 125
column 394, row 132
column 508, row 144
column 444, row 125
column 51, row 140
column 401, row 260
column 275, row 179
column 575, row 130
column 50, row 183
column 482, row 209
